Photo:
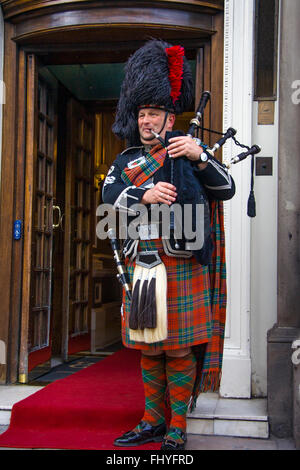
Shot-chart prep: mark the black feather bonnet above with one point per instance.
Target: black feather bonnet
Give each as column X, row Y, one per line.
column 156, row 74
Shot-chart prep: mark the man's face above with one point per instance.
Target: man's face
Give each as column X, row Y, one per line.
column 149, row 118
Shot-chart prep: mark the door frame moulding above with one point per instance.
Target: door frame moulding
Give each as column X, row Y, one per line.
column 238, row 97
column 10, row 271
column 31, row 79
column 14, row 8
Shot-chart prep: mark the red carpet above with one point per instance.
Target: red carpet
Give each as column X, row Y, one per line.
column 85, row 411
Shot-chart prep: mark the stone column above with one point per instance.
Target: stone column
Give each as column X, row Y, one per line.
column 287, row 328
column 296, row 392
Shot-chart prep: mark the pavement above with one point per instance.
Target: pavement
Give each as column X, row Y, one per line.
column 208, row 443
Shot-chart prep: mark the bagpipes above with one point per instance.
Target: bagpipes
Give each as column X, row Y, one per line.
column 208, row 153
column 195, row 124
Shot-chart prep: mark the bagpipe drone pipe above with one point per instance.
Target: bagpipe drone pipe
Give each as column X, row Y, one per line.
column 181, row 172
column 195, row 125
column 208, row 153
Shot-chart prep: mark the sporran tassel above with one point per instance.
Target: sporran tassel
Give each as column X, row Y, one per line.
column 142, row 312
column 150, row 307
column 133, row 317
column 160, row 332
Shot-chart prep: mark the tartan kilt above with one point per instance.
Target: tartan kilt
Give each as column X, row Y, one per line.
column 188, row 302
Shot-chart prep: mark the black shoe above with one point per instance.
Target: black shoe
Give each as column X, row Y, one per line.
column 146, row 434
column 170, row 444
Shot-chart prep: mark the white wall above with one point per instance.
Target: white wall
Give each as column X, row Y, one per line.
column 264, row 249
column 251, row 244
column 263, row 255
column 238, row 103
column 2, row 85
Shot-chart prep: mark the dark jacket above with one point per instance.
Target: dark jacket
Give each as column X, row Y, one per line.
column 193, row 186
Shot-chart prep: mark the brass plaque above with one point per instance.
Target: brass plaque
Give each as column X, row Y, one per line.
column 266, row 111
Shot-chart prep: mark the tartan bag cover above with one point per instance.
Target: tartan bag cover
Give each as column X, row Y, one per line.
column 207, row 338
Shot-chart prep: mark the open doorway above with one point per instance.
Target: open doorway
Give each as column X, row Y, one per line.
column 82, row 319
column 74, row 298
column 82, row 35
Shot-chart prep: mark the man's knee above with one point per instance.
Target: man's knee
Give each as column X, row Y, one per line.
column 178, row 352
column 152, row 353
column 171, row 353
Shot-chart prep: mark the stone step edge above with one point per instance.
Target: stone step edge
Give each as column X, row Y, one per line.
column 227, row 417
column 205, row 426
column 5, row 413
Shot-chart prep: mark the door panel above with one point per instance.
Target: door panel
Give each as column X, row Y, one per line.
column 38, row 231
column 40, row 307
column 79, row 222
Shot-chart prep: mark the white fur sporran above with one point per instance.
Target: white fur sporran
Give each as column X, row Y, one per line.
column 149, row 300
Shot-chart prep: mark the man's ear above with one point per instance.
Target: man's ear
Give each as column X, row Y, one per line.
column 171, row 119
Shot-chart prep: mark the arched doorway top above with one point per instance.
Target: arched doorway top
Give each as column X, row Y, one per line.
column 87, row 21
column 107, row 31
column 13, row 9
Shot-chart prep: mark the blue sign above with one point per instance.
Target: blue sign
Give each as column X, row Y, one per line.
column 17, row 229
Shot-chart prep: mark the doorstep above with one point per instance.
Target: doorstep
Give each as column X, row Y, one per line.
column 213, row 415
column 234, row 417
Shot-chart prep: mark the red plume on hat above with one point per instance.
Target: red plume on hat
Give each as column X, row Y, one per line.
column 175, row 60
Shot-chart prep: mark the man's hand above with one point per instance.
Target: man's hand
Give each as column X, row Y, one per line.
column 162, row 192
column 185, row 146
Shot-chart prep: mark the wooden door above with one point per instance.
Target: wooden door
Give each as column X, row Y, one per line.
column 79, row 227
column 38, row 222
column 42, row 240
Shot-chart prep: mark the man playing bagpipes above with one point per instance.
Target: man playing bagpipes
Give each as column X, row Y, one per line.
column 176, row 315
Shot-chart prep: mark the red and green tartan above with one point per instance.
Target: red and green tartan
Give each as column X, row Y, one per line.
column 188, row 302
column 155, row 383
column 180, row 372
column 141, row 173
column 196, row 296
column 210, row 356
